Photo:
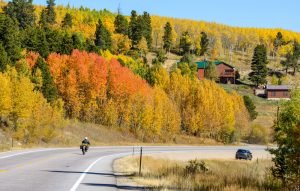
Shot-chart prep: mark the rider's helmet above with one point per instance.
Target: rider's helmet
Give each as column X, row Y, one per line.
column 85, row 138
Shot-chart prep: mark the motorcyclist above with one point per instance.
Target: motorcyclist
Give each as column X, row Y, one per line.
column 86, row 142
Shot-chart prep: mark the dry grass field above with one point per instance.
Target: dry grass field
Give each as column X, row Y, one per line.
column 212, row 175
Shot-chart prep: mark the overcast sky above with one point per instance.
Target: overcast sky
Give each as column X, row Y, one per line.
column 243, row 13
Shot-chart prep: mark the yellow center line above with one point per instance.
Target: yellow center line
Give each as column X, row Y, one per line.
column 3, row 171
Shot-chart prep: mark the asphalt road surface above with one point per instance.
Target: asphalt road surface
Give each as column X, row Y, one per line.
column 66, row 169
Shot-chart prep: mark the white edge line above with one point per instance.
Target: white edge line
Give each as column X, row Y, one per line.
column 77, row 183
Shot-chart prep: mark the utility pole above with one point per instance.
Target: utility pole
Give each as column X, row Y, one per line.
column 278, row 114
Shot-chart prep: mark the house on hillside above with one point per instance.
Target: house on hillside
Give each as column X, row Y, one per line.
column 276, row 92
column 225, row 71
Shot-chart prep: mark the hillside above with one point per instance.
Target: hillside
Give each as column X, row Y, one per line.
column 60, row 63
column 223, row 39
column 233, row 45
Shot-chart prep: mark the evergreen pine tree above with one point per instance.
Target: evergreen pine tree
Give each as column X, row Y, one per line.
column 296, row 57
column 54, row 39
column 68, row 21
column 90, row 45
column 203, row 43
column 30, row 39
column 78, row 41
column 278, row 41
column 147, row 28
column 291, row 59
column 4, row 60
column 23, row 11
column 66, row 46
column 121, row 24
column 51, row 15
column 10, row 37
column 43, row 19
column 103, row 37
column 135, row 29
column 259, row 65
column 288, row 62
column 48, row 88
column 185, row 43
column 167, row 38
column 43, row 45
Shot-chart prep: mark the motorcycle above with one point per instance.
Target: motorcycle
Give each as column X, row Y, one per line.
column 84, row 148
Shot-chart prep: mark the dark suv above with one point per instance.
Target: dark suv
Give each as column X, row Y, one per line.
column 243, row 154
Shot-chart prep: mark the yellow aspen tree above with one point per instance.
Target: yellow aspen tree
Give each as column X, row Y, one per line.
column 5, row 95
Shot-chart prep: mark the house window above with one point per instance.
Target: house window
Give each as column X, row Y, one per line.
column 285, row 94
column 228, row 71
column 273, row 93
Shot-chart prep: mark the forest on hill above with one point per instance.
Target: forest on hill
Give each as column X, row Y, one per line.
column 61, row 63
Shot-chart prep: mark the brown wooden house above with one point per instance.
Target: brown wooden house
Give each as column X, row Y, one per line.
column 276, row 92
column 225, row 71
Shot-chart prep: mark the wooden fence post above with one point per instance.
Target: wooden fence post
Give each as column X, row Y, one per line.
column 141, row 156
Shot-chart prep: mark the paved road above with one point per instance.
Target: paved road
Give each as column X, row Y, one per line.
column 68, row 169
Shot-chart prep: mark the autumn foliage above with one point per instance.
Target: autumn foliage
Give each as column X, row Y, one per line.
column 102, row 91
column 25, row 112
column 206, row 109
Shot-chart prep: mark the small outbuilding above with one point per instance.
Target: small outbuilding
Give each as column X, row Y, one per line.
column 276, row 92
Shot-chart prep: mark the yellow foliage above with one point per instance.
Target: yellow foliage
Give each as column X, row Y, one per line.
column 283, row 50
column 121, row 43
column 109, row 114
column 30, row 118
column 161, row 78
column 142, row 46
column 205, row 108
column 5, row 95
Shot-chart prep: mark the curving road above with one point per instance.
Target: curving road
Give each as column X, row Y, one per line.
column 66, row 169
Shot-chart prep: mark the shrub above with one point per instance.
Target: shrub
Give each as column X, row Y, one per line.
column 250, row 107
column 187, row 58
column 195, row 166
column 258, row 134
column 211, row 71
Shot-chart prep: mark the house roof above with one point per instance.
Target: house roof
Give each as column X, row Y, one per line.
column 278, row 87
column 203, row 64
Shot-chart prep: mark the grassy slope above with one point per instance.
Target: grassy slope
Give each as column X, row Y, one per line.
column 266, row 109
column 99, row 135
